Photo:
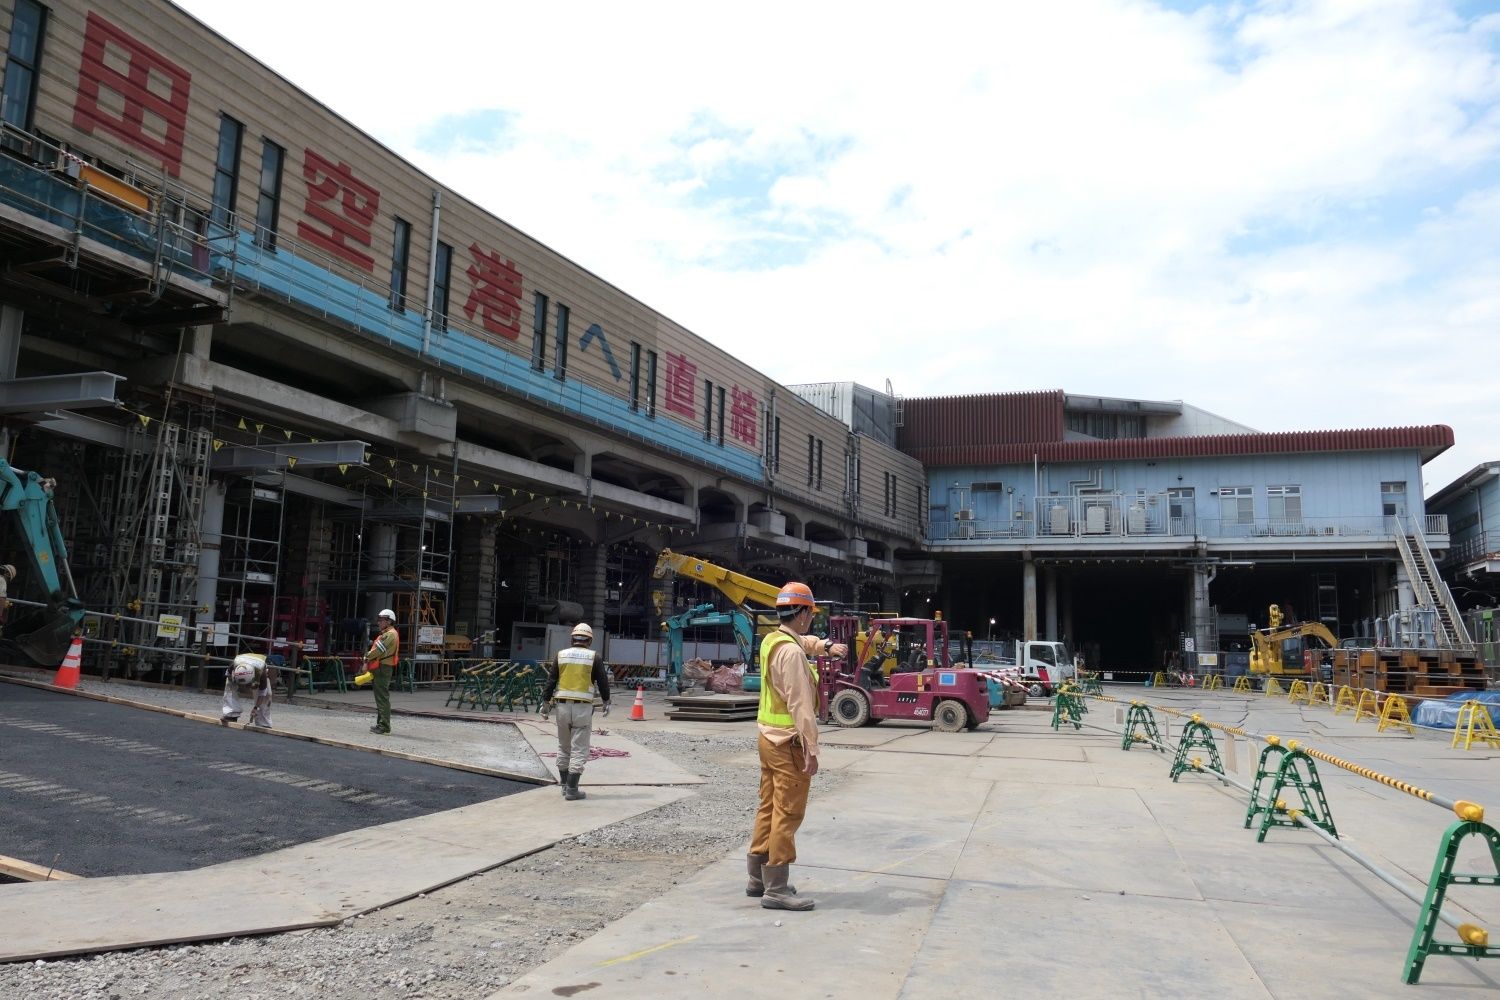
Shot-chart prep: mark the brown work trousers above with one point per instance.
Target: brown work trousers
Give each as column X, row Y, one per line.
column 783, row 801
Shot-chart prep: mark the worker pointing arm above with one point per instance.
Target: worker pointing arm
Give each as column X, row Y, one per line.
column 788, row 746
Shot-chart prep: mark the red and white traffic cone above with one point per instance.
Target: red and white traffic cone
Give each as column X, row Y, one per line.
column 638, row 710
column 67, row 674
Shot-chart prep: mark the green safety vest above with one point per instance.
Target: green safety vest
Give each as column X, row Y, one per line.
column 575, row 674
column 773, row 711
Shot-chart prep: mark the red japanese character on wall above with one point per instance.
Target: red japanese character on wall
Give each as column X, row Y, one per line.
column 131, row 91
column 496, row 293
column 342, row 203
column 744, row 415
column 681, row 382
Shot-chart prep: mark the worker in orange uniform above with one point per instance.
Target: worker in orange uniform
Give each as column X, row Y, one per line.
column 380, row 662
column 788, row 723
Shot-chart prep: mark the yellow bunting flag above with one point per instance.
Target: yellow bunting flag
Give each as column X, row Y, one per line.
column 242, row 425
column 218, row 444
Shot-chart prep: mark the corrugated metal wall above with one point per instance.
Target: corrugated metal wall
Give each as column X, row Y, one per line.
column 981, row 421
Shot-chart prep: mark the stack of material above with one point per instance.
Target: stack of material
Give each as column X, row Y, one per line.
column 713, row 707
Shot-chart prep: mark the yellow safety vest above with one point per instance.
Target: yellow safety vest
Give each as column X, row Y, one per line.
column 773, row 711
column 575, row 674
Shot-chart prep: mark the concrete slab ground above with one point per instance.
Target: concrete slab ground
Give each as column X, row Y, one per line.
column 1019, row 861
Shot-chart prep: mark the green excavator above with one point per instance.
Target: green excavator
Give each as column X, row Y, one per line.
column 39, row 634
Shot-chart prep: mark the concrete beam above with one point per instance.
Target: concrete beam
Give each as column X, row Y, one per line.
column 72, row 391
column 518, row 467
column 312, row 455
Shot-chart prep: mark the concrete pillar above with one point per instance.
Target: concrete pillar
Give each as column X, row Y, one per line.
column 1200, row 610
column 380, row 542
column 474, row 581
column 11, row 321
column 592, row 585
column 201, row 342
column 1068, row 634
column 1405, row 597
column 1028, row 599
column 1049, row 576
column 210, row 534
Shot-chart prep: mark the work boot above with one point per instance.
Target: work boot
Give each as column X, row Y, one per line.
column 778, row 895
column 378, row 731
column 755, row 887
column 570, row 787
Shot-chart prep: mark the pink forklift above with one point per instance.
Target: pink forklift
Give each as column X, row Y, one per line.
column 920, row 685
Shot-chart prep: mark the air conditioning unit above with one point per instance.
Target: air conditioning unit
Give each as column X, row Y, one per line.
column 1096, row 521
column 966, row 514
column 1057, row 520
column 1135, row 520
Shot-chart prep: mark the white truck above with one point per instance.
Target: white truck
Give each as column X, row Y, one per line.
column 1041, row 664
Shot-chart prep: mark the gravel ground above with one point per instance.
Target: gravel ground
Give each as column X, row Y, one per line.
column 461, row 941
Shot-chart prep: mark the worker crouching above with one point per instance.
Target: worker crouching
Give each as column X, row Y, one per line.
column 248, row 679
column 788, row 744
column 572, row 677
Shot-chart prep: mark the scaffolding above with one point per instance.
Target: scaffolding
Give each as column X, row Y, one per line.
column 395, row 551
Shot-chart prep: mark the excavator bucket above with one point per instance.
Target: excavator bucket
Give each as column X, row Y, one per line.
column 42, row 635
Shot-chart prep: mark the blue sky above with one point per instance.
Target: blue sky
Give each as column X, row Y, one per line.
column 1285, row 212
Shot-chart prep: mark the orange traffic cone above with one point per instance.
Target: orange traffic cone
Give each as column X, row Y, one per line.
column 67, row 674
column 638, row 710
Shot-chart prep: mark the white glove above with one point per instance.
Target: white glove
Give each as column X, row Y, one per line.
column 546, row 709
column 606, row 709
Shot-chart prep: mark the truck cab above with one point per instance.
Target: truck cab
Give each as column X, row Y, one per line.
column 1044, row 664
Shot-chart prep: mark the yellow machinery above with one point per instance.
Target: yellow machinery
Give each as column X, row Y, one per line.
column 1266, row 645
column 744, row 590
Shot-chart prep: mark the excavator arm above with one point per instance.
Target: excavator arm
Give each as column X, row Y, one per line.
column 42, row 635
column 1265, row 644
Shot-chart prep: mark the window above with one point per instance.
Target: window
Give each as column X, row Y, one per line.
column 773, row 442
column 268, row 209
column 651, row 383
column 708, row 410
column 814, row 462
column 560, row 369
column 1393, row 499
column 227, row 170
column 442, row 278
column 1284, row 503
column 1236, row 505
column 991, row 486
column 635, row 375
column 539, row 332
column 400, row 251
column 721, row 416
column 19, row 99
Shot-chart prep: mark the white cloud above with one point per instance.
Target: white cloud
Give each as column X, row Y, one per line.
column 1284, row 211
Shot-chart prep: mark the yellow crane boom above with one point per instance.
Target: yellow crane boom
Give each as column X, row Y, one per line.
column 737, row 587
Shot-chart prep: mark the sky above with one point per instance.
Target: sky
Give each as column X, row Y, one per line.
column 1284, row 212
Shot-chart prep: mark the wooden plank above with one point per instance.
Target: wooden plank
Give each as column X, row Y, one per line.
column 26, row 871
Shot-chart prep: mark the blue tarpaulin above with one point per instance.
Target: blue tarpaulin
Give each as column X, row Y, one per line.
column 1443, row 714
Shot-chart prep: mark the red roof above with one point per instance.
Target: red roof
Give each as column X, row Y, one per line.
column 1009, row 428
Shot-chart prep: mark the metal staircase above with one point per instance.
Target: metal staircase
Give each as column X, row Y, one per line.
column 1429, row 589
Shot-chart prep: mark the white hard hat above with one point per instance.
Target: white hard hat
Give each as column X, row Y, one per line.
column 584, row 629
column 244, row 668
column 387, row 614
column 8, row 570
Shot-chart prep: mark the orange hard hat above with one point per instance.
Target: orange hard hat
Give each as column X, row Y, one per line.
column 795, row 595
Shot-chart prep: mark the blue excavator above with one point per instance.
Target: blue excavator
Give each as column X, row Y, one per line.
column 41, row 635
column 703, row 616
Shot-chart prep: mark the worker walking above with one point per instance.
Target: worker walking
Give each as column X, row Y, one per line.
column 572, row 677
column 248, row 679
column 788, row 743
column 380, row 663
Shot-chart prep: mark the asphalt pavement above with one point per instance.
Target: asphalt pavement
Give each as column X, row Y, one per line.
column 94, row 788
